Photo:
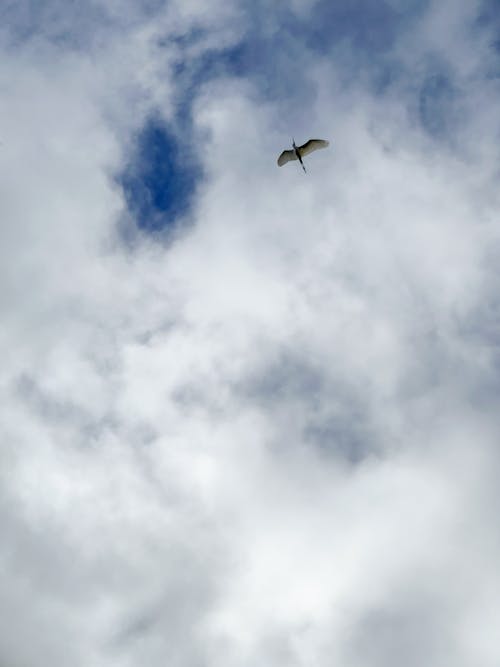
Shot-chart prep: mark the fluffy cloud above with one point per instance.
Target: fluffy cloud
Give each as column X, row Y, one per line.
column 270, row 436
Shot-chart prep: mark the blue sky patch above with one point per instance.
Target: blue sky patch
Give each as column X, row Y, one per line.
column 160, row 180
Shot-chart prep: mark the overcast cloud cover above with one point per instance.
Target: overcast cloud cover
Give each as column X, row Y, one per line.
column 257, row 425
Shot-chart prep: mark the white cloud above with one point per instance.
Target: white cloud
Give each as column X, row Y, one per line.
column 273, row 439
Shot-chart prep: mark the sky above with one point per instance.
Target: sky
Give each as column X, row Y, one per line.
column 249, row 416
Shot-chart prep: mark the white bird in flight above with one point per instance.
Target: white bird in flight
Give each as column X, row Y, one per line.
column 298, row 152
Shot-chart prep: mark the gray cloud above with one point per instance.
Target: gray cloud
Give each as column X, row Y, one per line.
column 272, row 439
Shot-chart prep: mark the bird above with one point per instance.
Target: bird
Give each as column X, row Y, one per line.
column 298, row 152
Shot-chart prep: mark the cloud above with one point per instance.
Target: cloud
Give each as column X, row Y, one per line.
column 270, row 436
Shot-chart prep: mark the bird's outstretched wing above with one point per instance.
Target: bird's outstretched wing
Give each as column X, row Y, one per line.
column 285, row 157
column 312, row 145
